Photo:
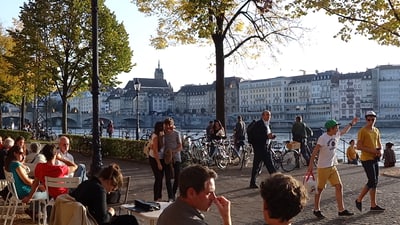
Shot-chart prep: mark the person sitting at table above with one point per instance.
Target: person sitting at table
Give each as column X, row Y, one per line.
column 92, row 194
column 283, row 198
column 50, row 169
column 197, row 193
column 64, row 145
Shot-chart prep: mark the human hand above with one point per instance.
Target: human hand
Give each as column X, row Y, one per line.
column 41, row 187
column 111, row 211
column 224, row 208
column 26, row 199
column 159, row 166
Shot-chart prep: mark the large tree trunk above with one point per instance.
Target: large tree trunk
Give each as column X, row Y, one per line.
column 64, row 115
column 218, row 39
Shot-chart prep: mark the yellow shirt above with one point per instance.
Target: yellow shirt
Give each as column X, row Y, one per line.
column 369, row 139
column 351, row 153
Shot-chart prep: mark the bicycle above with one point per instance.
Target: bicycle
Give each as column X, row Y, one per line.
column 276, row 150
column 245, row 154
column 293, row 158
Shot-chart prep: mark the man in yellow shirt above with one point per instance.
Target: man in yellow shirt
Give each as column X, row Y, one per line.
column 369, row 142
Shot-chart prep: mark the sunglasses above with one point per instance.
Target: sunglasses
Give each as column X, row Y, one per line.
column 370, row 120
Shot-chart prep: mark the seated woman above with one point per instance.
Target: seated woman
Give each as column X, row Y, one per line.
column 14, row 164
column 92, row 193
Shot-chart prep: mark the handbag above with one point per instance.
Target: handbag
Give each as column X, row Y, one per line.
column 310, row 183
column 146, row 206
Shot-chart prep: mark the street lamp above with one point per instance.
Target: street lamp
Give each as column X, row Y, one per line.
column 137, row 89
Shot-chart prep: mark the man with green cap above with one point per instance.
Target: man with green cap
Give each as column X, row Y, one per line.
column 326, row 168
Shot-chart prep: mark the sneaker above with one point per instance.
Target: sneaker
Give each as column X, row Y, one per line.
column 345, row 213
column 318, row 214
column 359, row 205
column 377, row 208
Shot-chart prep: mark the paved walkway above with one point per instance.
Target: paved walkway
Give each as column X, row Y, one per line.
column 247, row 204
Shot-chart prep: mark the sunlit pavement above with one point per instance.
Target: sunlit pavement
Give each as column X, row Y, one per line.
column 246, row 203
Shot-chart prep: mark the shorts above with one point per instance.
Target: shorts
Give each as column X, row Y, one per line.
column 330, row 174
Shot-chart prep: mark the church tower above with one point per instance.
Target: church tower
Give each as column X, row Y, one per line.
column 158, row 73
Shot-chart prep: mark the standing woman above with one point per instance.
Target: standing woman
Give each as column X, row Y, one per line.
column 156, row 159
column 92, row 194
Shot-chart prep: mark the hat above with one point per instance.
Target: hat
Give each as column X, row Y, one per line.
column 331, row 123
column 370, row 113
column 389, row 144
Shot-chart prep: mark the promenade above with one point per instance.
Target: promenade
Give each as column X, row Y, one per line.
column 247, row 203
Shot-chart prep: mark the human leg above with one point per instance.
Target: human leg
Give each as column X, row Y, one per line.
column 177, row 171
column 168, row 171
column 305, row 151
column 267, row 158
column 158, row 177
column 254, row 170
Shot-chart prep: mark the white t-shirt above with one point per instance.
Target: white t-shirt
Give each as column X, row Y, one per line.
column 327, row 154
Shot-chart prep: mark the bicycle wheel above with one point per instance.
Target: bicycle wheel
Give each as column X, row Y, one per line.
column 221, row 159
column 85, row 150
column 289, row 161
column 245, row 158
column 277, row 159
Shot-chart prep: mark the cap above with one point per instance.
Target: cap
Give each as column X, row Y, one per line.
column 370, row 113
column 331, row 123
column 389, row 144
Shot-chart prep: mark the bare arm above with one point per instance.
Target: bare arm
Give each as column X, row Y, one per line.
column 312, row 158
column 71, row 165
column 350, row 125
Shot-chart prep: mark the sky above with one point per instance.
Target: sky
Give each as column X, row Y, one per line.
column 182, row 65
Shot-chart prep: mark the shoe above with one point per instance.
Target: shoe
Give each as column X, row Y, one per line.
column 377, row 209
column 318, row 214
column 359, row 205
column 253, row 186
column 345, row 213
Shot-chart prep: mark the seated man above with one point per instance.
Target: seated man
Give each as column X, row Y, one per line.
column 284, row 197
column 50, row 169
column 63, row 146
column 34, row 157
column 197, row 193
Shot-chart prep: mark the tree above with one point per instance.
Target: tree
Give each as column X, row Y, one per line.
column 239, row 28
column 377, row 20
column 58, row 34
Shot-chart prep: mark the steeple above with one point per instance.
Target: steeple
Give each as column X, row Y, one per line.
column 158, row 73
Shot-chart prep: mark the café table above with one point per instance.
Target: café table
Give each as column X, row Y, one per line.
column 150, row 217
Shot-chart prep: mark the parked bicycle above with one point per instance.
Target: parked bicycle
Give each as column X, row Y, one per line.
column 246, row 151
column 293, row 158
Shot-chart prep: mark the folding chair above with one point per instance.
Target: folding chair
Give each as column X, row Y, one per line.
column 124, row 194
column 59, row 182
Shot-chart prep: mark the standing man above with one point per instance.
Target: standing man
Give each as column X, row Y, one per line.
column 300, row 133
column 369, row 143
column 262, row 136
column 239, row 134
column 173, row 143
column 326, row 168
column 110, row 128
column 196, row 194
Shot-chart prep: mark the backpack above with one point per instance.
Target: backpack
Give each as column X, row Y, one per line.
column 249, row 131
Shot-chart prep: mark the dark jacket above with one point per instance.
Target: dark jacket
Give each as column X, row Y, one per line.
column 260, row 135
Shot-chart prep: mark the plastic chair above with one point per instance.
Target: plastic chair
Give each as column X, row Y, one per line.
column 13, row 201
column 124, row 194
column 59, row 182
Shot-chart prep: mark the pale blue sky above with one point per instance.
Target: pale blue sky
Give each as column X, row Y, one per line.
column 191, row 65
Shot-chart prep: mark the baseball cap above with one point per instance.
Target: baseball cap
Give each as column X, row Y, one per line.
column 389, row 144
column 331, row 123
column 370, row 113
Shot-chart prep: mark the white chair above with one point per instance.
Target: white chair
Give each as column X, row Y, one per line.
column 59, row 182
column 12, row 202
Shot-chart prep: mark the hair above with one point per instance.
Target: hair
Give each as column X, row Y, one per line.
column 298, row 118
column 194, row 177
column 351, row 141
column 49, row 151
column 35, row 147
column 158, row 127
column 11, row 157
column 284, row 196
column 240, row 118
column 113, row 173
column 169, row 121
column 8, row 143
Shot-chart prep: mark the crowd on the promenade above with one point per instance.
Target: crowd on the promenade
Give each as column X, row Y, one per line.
column 192, row 191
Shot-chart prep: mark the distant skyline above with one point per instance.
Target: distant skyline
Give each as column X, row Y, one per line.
column 183, row 65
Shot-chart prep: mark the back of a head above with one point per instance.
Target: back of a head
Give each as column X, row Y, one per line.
column 195, row 177
column 113, row 173
column 35, row 147
column 284, row 195
column 8, row 143
column 49, row 151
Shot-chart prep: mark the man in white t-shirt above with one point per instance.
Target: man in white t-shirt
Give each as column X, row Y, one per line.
column 63, row 146
column 326, row 168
